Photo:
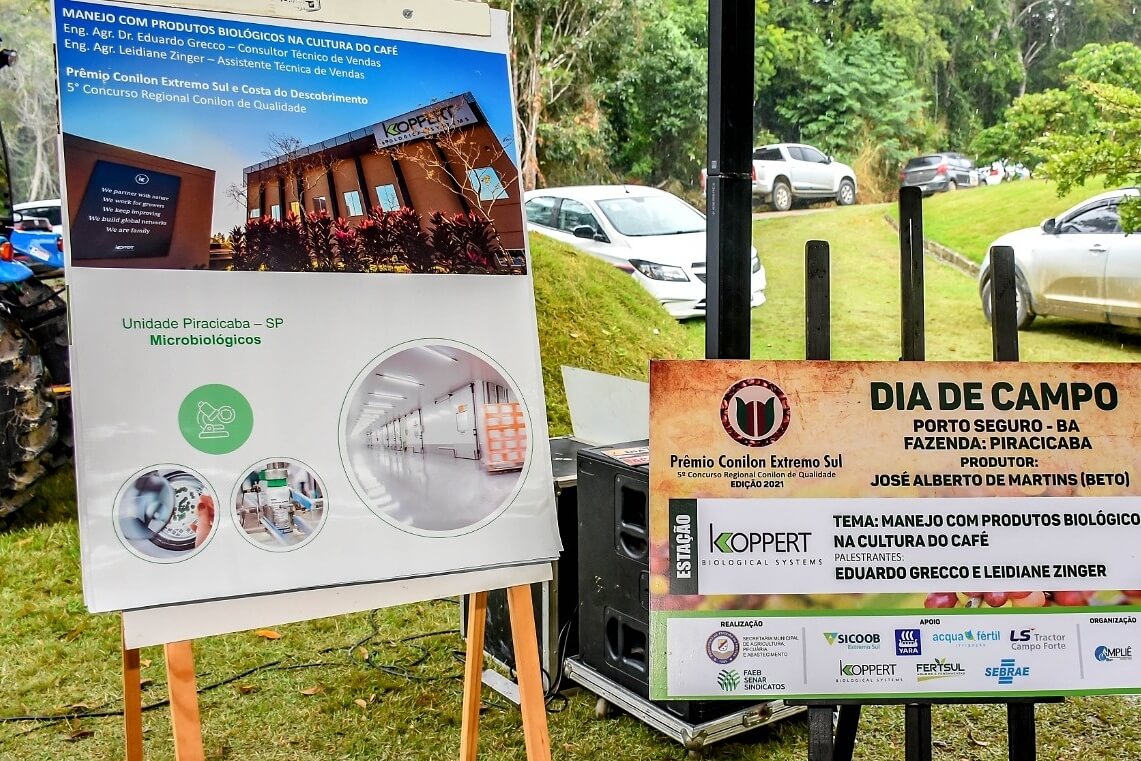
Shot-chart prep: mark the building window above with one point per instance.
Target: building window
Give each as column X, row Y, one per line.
column 353, row 202
column 295, row 207
column 275, row 211
column 386, row 194
column 486, row 181
column 321, row 204
column 255, row 213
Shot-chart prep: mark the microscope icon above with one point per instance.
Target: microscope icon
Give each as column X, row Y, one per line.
column 212, row 421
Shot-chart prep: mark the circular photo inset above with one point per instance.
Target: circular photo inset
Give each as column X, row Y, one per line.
column 280, row 505
column 166, row 513
column 435, row 438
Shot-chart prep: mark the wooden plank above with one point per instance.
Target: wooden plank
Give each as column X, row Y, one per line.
column 184, row 716
column 817, row 283
column 473, row 676
column 1004, row 304
column 132, row 705
column 531, row 701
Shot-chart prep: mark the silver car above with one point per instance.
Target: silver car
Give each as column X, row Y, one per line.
column 1078, row 264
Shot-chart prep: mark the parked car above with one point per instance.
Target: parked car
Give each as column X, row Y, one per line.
column 654, row 235
column 938, row 172
column 49, row 209
column 1078, row 264
column 785, row 173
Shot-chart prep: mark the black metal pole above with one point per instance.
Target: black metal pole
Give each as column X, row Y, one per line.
column 1021, row 742
column 911, row 273
column 729, row 185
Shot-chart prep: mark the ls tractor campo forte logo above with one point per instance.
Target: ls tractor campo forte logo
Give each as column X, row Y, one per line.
column 755, row 412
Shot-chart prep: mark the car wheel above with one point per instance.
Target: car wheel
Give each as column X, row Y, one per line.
column 846, row 196
column 952, row 186
column 1022, row 315
column 782, row 196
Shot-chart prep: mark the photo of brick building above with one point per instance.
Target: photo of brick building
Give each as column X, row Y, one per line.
column 443, row 157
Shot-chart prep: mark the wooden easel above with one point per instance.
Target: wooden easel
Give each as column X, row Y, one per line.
column 186, row 720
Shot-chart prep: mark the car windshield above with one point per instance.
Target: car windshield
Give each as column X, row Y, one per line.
column 638, row 216
column 923, row 161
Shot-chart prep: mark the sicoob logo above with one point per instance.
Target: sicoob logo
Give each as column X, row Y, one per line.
column 755, row 412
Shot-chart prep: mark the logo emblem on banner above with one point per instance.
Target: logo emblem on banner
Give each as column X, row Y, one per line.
column 755, row 412
column 907, row 642
column 722, row 647
column 728, row 680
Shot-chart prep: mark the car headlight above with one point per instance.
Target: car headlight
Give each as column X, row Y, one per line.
column 660, row 271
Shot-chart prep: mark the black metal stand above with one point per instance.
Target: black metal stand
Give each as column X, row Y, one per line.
column 829, row 741
column 729, row 189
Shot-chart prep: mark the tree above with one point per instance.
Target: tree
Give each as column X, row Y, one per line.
column 656, row 106
column 1112, row 147
column 1075, row 110
column 28, row 100
column 552, row 46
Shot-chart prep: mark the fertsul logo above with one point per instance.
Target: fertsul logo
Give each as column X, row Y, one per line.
column 1007, row 671
column 940, row 668
column 755, row 412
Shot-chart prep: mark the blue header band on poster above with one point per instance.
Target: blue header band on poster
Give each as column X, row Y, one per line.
column 449, row 16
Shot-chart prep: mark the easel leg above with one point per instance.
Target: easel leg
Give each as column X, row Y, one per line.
column 1020, row 731
column 820, row 747
column 845, row 744
column 526, row 645
column 473, row 676
column 184, row 716
column 917, row 732
column 132, row 705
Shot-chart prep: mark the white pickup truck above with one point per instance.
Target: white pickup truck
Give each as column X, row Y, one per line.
column 784, row 173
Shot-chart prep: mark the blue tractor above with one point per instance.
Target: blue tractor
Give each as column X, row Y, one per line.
column 35, row 414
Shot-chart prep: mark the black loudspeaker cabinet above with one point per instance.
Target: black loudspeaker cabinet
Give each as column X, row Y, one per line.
column 555, row 602
column 614, row 574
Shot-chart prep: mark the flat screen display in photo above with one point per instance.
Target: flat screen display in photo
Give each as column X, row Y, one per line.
column 127, row 212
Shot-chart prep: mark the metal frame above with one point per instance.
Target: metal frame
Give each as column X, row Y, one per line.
column 694, row 737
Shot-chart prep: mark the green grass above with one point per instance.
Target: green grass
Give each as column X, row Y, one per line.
column 865, row 296
column 968, row 221
column 590, row 317
column 55, row 658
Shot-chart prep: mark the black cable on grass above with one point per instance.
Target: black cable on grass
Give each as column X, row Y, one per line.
column 402, row 670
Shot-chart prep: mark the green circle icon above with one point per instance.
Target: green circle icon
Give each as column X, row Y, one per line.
column 215, row 419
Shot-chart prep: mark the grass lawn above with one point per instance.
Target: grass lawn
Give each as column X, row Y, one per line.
column 866, row 295
column 296, row 697
column 968, row 221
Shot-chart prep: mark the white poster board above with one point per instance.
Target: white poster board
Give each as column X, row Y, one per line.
column 364, row 287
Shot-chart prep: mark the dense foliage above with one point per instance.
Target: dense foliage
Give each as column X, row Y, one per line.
column 616, row 89
column 877, row 79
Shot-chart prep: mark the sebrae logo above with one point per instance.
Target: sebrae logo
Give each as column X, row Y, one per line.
column 722, row 647
column 755, row 412
column 1007, row 671
column 728, row 680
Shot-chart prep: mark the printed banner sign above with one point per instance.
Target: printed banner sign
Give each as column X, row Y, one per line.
column 840, row 529
column 304, row 356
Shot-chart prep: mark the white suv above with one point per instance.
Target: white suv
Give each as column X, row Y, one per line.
column 784, row 173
